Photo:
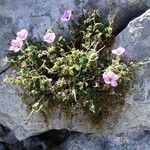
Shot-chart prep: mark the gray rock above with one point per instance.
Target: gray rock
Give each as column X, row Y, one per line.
column 132, row 129
column 16, row 117
column 51, row 139
column 37, row 16
column 2, row 147
column 135, row 39
column 14, row 114
column 137, row 140
column 34, row 144
column 3, row 132
column 10, row 138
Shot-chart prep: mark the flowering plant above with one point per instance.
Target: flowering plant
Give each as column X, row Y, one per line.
column 76, row 71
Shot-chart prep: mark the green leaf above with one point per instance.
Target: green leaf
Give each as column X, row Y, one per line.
column 110, row 30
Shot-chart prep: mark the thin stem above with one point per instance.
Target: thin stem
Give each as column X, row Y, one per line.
column 101, row 49
column 53, row 24
column 147, row 62
column 26, row 43
column 143, row 63
column 42, row 65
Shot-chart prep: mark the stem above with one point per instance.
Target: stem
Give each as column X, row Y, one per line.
column 26, row 43
column 53, row 24
column 147, row 62
column 42, row 65
column 44, row 45
column 31, row 113
column 100, row 49
column 143, row 63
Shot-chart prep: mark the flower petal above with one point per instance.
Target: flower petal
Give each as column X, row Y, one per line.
column 119, row 51
column 49, row 37
column 66, row 16
column 16, row 45
column 22, row 35
column 110, row 77
column 114, row 83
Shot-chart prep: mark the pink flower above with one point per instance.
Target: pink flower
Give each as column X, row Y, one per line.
column 16, row 45
column 49, row 37
column 110, row 78
column 66, row 16
column 22, row 35
column 119, row 51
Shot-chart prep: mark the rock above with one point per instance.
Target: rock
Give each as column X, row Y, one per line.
column 2, row 147
column 16, row 146
column 135, row 39
column 14, row 114
column 48, row 140
column 132, row 129
column 44, row 141
column 3, row 132
column 37, row 17
column 10, row 138
column 138, row 140
column 34, row 143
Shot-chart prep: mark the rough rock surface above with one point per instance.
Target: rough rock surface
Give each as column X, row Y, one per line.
column 135, row 38
column 46, row 141
column 37, row 16
column 137, row 140
column 14, row 114
column 132, row 129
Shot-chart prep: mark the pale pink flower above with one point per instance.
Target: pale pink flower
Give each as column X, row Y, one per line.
column 119, row 51
column 22, row 35
column 49, row 37
column 16, row 45
column 66, row 16
column 110, row 78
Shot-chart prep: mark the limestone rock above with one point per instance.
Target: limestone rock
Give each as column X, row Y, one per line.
column 132, row 130
column 38, row 16
column 138, row 140
column 14, row 114
column 135, row 39
column 2, row 147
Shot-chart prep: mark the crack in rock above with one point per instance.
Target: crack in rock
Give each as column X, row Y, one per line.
column 5, row 69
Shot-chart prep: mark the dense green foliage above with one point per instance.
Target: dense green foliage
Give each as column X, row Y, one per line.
column 68, row 73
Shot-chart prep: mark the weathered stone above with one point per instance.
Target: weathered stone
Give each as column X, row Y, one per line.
column 37, row 17
column 133, row 128
column 2, row 147
column 14, row 114
column 135, row 39
column 34, row 143
column 45, row 141
column 137, row 140
column 10, row 138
